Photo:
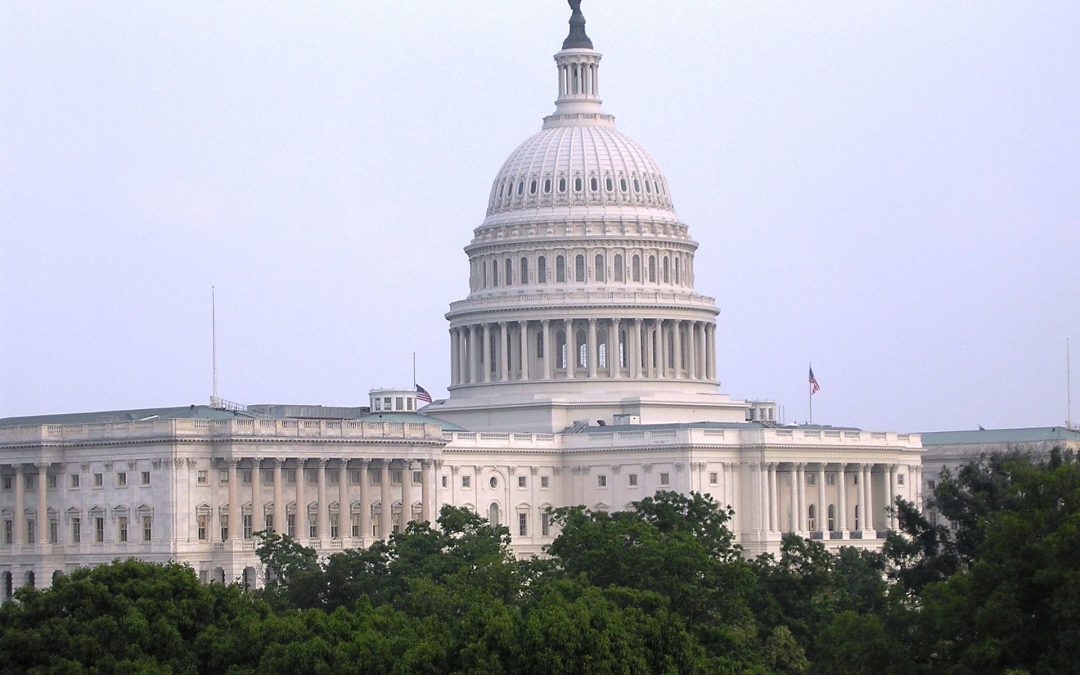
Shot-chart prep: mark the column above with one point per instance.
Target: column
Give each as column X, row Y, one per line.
column 322, row 516
column 301, row 502
column 41, row 534
column 523, row 334
column 822, row 507
column 891, row 518
column 455, row 360
column 710, row 351
column 385, row 527
column 279, row 497
column 691, row 350
column 702, row 347
column 365, row 501
column 592, row 351
column 235, row 530
column 676, row 341
column 649, row 333
column 793, row 506
column 463, row 355
column 614, row 362
column 258, row 520
column 344, row 508
column 661, row 345
column 766, row 500
column 486, row 365
column 426, row 489
column 841, row 500
column 20, row 507
column 869, row 471
column 571, row 354
column 504, row 353
column 474, row 354
column 774, row 499
column 548, row 348
column 406, row 494
column 800, row 481
column 633, row 349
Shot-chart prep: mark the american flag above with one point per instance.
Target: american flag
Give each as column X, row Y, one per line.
column 422, row 394
column 814, row 386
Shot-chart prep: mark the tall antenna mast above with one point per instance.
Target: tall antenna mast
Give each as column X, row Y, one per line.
column 1068, row 387
column 213, row 347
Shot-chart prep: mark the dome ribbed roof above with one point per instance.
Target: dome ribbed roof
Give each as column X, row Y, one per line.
column 588, row 164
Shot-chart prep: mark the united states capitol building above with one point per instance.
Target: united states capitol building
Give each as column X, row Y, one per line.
column 583, row 370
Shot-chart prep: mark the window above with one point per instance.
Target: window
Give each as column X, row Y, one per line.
column 98, row 480
column 399, row 403
column 609, row 184
column 509, row 273
column 560, row 269
column 223, row 524
column 666, row 268
column 524, row 271
column 444, row 481
column 521, row 481
column 830, row 479
column 202, row 522
column 356, row 524
column 290, row 476
column 7, row 482
column 652, row 269
column 631, row 480
column 544, row 482
column 76, row 530
column 811, row 479
column 523, row 524
column 899, row 479
column 9, row 530
column 223, row 476
column 290, row 524
column 268, row 523
column 601, row 481
column 540, row 344
column 74, row 480
column 201, row 479
column 618, row 267
column 147, row 528
column 395, row 477
column 311, row 476
column 594, row 184
column 562, row 184
column 53, row 531
column 541, row 270
column 713, row 478
column 248, row 525
column 121, row 479
column 579, row 268
column 857, row 517
column 665, row 478
column 99, row 529
column 466, row 482
column 313, row 526
column 811, row 520
column 122, row 529
column 145, row 480
column 598, row 268
column 532, row 186
column 578, row 184
column 333, row 476
column 51, row 481
column 636, row 268
column 547, row 186
column 493, row 482
column 494, row 272
column 245, row 476
column 545, row 523
column 388, row 403
column 832, row 518
column 30, row 534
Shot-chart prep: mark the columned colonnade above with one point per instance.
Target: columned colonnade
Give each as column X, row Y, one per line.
column 595, row 348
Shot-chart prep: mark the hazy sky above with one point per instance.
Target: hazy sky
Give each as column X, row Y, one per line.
column 889, row 190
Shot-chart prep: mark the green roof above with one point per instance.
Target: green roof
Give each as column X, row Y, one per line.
column 985, row 436
column 204, row 412
column 412, row 417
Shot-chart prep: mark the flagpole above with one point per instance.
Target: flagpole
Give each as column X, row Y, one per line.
column 414, row 371
column 810, row 397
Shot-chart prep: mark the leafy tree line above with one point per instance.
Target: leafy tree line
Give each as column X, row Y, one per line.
column 661, row 589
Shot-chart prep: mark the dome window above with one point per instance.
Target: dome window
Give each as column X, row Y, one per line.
column 618, row 267
column 562, row 185
column 609, row 184
column 494, row 272
column 521, row 187
column 547, row 186
column 637, row 267
column 648, row 187
column 532, row 187
column 560, row 269
column 541, row 270
column 637, row 185
column 598, row 268
column 510, row 272
column 594, row 184
column 578, row 185
column 622, row 184
column 579, row 269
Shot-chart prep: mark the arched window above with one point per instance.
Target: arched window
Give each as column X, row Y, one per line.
column 648, row 187
column 560, row 269
column 601, row 351
column 578, row 184
column 811, row 520
column 832, row 518
column 622, row 184
column 594, row 184
column 598, row 268
column 547, row 186
column 532, row 187
column 562, row 184
column 579, row 268
column 494, row 272
column 609, row 184
column 541, row 270
column 678, row 270
column 509, row 272
column 540, row 344
column 652, row 269
column 637, row 268
column 524, row 278
column 619, row 272
column 560, row 345
column 521, row 187
column 622, row 349
column 637, row 185
column 582, row 350
column 493, row 514
column 667, row 275
column 483, row 266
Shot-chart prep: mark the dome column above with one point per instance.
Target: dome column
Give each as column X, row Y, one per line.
column 463, row 355
column 676, row 336
column 613, row 351
column 454, row 364
column 545, row 333
column 592, row 351
column 661, row 346
column 523, row 334
column 486, row 365
column 710, row 354
column 504, row 352
column 568, row 341
column 635, row 349
column 691, row 350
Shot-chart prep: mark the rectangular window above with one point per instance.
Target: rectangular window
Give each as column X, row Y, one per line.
column 358, row 476
column 356, row 524
column 290, row 524
column 98, row 480
column 665, row 478
column 631, row 480
column 54, row 531
column 466, row 481
column 223, row 523
column 245, row 476
column 147, row 528
column 545, row 482
column 830, row 479
column 395, row 477
column 332, row 477
column 52, row 481
column 811, row 479
column 7, row 482
column 29, row 480
column 290, row 476
column 376, row 477
column 313, row 528
column 899, row 479
column 444, row 481
column 121, row 528
column 333, row 527
column 202, row 527
column 223, row 476
column 521, row 481
column 418, row 477
column 9, row 530
column 99, row 530
column 269, row 522
column 248, row 525
column 267, row 476
column 399, row 403
column 74, row 480
column 388, row 403
column 76, row 530
column 121, row 479
column 545, row 524
column 145, row 479
column 30, row 538
column 202, row 477
column 523, row 524
column 714, row 478
column 601, row 481
column 312, row 476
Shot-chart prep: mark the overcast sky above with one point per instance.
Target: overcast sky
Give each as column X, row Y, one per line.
column 889, row 190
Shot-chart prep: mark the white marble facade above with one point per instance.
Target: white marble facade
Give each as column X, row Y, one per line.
column 583, row 370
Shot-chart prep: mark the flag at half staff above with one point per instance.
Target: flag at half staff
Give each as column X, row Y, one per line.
column 422, row 394
column 814, row 386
